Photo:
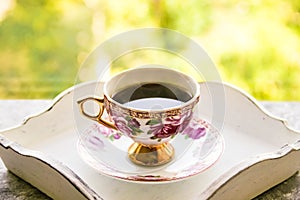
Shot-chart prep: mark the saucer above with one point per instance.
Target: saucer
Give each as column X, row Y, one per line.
column 197, row 148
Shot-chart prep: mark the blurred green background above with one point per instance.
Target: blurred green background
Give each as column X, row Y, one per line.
column 255, row 44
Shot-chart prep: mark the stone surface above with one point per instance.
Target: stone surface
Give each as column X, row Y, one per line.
column 13, row 112
column 289, row 189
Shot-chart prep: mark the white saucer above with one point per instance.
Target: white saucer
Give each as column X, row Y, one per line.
column 106, row 151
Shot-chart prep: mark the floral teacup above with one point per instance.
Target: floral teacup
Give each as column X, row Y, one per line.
column 151, row 105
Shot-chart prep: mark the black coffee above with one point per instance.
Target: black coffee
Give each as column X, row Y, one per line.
column 151, row 90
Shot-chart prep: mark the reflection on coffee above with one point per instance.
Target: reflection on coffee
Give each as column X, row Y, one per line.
column 152, row 96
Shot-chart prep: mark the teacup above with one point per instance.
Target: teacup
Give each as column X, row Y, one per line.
column 151, row 105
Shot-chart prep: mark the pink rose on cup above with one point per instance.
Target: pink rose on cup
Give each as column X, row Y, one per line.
column 121, row 124
column 169, row 127
column 164, row 130
column 127, row 125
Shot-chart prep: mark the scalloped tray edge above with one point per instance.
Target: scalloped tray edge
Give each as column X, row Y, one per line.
column 245, row 171
column 227, row 182
column 59, row 171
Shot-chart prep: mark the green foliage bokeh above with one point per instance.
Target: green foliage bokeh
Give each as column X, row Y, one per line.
column 255, row 44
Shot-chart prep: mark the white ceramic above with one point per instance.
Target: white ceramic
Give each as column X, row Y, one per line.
column 196, row 149
column 151, row 128
column 260, row 152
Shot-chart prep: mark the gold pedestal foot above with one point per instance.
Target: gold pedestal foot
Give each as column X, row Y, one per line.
column 150, row 155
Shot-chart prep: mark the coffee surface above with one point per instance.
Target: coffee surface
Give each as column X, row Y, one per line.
column 152, row 94
column 154, row 103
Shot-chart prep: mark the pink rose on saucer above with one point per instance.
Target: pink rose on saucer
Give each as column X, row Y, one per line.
column 195, row 130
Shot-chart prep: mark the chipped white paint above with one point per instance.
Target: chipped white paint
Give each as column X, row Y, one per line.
column 260, row 152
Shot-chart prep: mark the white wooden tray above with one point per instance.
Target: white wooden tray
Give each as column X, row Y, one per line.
column 260, row 152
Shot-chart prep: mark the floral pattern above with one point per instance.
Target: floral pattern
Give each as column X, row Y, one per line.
column 202, row 154
column 195, row 130
column 162, row 130
column 103, row 130
column 170, row 127
column 128, row 125
column 157, row 128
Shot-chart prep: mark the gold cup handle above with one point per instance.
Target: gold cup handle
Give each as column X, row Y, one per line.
column 97, row 117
